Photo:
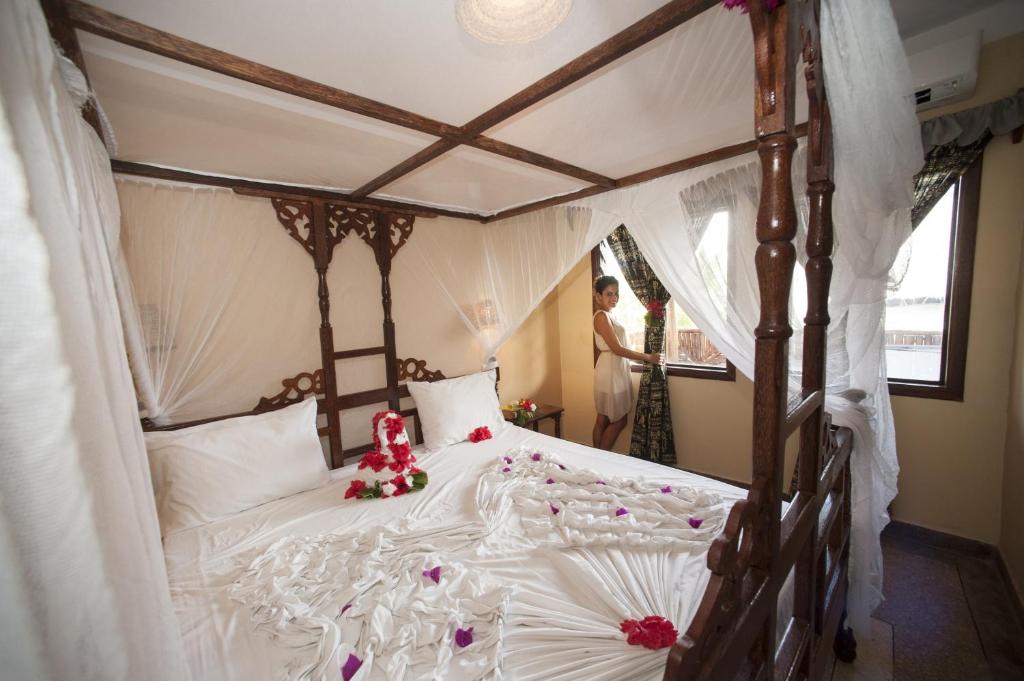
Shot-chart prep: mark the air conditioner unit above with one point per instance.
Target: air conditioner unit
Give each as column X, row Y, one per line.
column 946, row 73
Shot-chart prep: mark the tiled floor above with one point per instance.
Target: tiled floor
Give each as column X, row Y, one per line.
column 946, row 617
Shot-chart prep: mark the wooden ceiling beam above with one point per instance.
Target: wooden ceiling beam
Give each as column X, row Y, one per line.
column 285, row 191
column 655, row 24
column 720, row 154
column 120, row 29
column 123, row 30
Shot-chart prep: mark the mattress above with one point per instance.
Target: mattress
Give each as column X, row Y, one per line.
column 549, row 590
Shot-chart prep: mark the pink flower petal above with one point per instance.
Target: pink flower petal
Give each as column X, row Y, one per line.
column 463, row 637
column 434, row 574
column 621, row 512
column 351, row 666
column 550, row 481
column 506, row 469
column 554, row 509
column 695, row 522
column 667, row 489
column 600, row 482
column 347, row 606
column 508, row 459
column 561, row 466
column 535, row 456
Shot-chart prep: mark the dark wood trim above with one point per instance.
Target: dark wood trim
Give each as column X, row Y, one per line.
column 95, row 20
column 410, row 164
column 655, row 24
column 595, row 271
column 100, row 22
column 62, row 31
column 282, row 191
column 540, row 160
column 726, row 373
column 964, row 231
column 703, row 159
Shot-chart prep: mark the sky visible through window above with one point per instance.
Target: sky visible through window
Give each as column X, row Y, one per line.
column 916, row 305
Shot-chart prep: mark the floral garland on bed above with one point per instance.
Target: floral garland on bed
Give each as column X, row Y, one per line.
column 391, row 462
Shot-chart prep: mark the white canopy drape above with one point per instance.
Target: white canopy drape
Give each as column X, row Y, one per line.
column 496, row 276
column 84, row 586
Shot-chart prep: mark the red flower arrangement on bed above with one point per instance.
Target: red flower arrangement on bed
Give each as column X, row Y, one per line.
column 391, row 462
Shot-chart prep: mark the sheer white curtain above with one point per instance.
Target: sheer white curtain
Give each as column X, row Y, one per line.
column 496, row 275
column 80, row 547
column 877, row 151
column 224, row 300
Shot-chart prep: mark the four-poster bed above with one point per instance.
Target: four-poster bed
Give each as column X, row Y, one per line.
column 737, row 631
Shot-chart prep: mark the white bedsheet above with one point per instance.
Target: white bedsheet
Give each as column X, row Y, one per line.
column 564, row 605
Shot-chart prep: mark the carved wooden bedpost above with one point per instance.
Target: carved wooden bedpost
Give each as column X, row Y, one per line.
column 775, row 59
column 810, row 567
column 382, row 249
column 323, row 248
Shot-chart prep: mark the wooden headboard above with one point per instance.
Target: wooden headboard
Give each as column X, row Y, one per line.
column 318, row 225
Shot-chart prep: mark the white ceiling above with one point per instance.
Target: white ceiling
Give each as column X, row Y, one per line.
column 688, row 92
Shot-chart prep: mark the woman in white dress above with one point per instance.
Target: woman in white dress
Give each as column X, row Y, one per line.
column 613, row 387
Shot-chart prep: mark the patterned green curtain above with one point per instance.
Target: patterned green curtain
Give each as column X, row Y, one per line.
column 943, row 165
column 652, row 425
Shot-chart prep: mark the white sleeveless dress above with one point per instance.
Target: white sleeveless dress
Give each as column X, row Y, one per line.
column 613, row 387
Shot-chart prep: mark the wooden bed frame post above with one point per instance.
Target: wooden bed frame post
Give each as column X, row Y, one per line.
column 810, row 568
column 775, row 59
column 382, row 252
column 322, row 249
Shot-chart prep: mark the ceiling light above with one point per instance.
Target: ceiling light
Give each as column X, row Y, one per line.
column 510, row 22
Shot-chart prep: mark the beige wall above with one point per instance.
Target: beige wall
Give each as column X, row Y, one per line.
column 1011, row 540
column 951, row 453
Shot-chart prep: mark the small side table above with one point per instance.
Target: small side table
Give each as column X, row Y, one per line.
column 544, row 411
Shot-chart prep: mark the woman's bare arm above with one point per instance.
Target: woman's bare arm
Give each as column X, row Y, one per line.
column 604, row 327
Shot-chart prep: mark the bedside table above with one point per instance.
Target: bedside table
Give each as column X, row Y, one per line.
column 544, row 411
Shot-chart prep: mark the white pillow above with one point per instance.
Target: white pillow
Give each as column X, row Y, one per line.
column 208, row 472
column 450, row 410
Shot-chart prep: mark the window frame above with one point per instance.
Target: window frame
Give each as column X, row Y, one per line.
column 726, row 373
column 953, row 357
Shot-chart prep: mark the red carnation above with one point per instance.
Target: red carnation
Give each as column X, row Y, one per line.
column 354, row 488
column 652, row 632
column 480, row 434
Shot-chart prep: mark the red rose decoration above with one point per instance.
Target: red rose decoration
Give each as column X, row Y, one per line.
column 480, row 434
column 354, row 488
column 652, row 632
column 401, row 486
column 375, row 460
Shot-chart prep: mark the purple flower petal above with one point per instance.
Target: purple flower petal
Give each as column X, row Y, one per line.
column 433, row 573
column 506, row 469
column 695, row 522
column 561, row 466
column 621, row 511
column 347, row 606
column 508, row 459
column 535, row 456
column 667, row 489
column 600, row 482
column 550, row 481
column 463, row 637
column 351, row 666
column 554, row 509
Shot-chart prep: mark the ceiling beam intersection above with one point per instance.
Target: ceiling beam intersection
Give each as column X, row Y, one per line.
column 655, row 24
column 92, row 19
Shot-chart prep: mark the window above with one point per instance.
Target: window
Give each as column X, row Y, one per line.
column 929, row 298
column 688, row 352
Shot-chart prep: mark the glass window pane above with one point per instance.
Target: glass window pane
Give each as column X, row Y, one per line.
column 916, row 303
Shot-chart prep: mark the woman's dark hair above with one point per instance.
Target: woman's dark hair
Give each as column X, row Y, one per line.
column 603, row 282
